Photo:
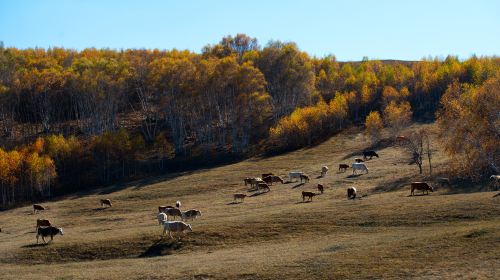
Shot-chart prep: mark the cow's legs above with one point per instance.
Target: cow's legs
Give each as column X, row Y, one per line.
column 37, row 238
column 43, row 238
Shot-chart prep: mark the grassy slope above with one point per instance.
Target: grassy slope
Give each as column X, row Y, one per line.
column 273, row 235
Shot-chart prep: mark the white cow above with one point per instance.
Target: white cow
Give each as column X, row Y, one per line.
column 175, row 226
column 324, row 169
column 295, row 174
column 162, row 217
column 359, row 166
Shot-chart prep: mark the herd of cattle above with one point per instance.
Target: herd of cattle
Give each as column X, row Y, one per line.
column 45, row 229
column 267, row 179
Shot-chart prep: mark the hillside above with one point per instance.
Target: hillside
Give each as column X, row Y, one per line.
column 449, row 234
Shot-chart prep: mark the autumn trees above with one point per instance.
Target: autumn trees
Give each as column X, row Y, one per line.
column 374, row 125
column 108, row 113
column 470, row 127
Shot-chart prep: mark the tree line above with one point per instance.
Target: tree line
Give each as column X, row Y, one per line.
column 135, row 111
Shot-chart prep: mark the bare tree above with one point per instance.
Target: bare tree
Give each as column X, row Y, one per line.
column 415, row 146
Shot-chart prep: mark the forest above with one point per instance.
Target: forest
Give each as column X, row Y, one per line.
column 74, row 120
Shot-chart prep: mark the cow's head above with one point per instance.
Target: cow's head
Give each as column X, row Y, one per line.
column 189, row 229
column 61, row 231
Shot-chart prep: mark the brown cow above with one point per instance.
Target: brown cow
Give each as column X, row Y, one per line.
column 273, row 179
column 240, row 196
column 421, row 186
column 309, row 195
column 321, row 189
column 106, row 202
column 42, row 223
column 343, row 167
column 304, row 177
column 264, row 175
column 37, row 207
column 248, row 180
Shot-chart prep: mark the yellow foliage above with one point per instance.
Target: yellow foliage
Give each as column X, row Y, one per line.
column 397, row 116
column 374, row 124
column 305, row 124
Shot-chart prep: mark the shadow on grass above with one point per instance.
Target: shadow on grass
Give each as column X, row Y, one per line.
column 382, row 144
column 35, row 245
column 257, row 194
column 498, row 194
column 393, row 185
column 159, row 248
column 298, row 185
column 301, row 202
column 234, row 203
column 353, row 175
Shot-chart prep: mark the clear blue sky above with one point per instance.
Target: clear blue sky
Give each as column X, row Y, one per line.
column 348, row 29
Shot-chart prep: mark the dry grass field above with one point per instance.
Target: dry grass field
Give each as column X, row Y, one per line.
column 453, row 233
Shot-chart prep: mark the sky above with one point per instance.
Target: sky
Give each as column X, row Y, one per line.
column 350, row 30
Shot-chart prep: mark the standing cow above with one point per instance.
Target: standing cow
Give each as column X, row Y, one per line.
column 370, row 154
column 359, row 166
column 351, row 193
column 48, row 231
column 421, row 186
column 324, row 169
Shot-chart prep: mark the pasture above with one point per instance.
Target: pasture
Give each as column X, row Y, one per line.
column 449, row 234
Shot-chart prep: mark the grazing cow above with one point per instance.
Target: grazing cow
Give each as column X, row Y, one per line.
column 309, row 195
column 304, row 177
column 343, row 167
column 273, row 179
column 278, row 179
column 324, row 170
column 175, row 226
column 358, row 160
column 257, row 180
column 321, row 189
column 37, row 207
column 421, row 186
column 369, row 154
column 248, row 181
column 359, row 166
column 268, row 179
column 178, row 204
column 295, row 174
column 162, row 217
column 240, row 196
column 174, row 212
column 106, row 202
column 263, row 186
column 42, row 223
column 351, row 193
column 191, row 214
column 48, row 231
column 264, row 175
